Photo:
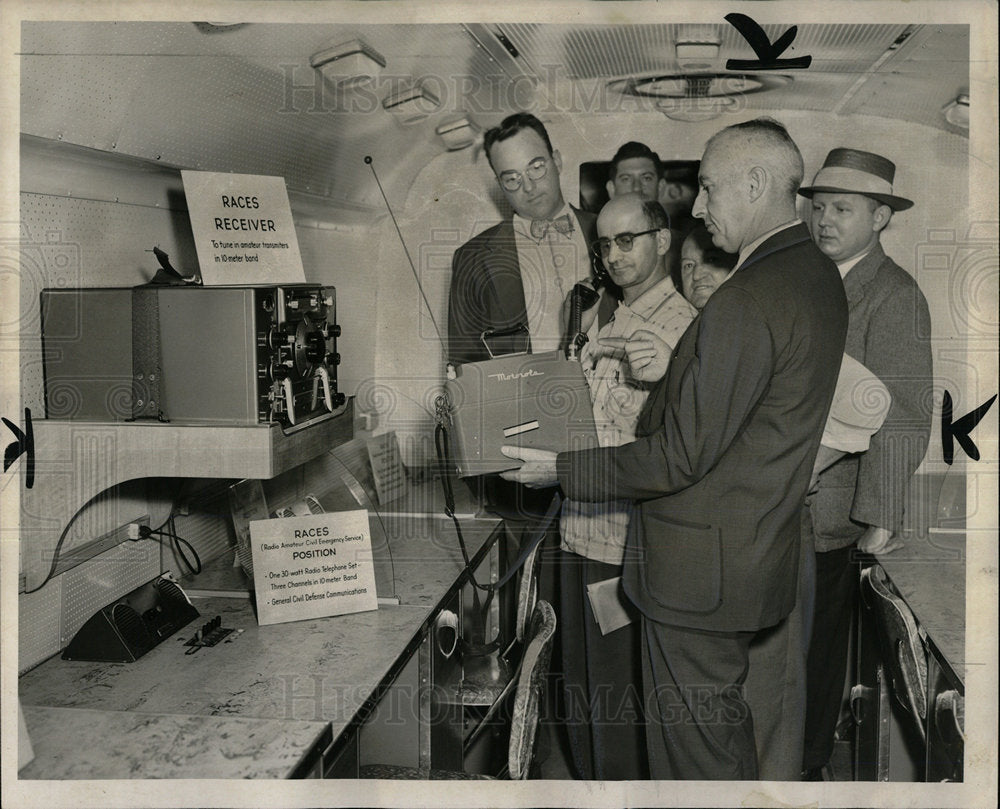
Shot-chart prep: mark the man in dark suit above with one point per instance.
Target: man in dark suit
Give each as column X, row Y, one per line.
column 519, row 272
column 858, row 504
column 722, row 465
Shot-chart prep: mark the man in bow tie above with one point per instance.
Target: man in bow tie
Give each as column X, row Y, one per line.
column 519, row 272
column 514, row 276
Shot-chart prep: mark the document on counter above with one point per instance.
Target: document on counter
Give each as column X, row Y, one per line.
column 387, row 467
column 313, row 566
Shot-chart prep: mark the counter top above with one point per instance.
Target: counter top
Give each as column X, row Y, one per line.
column 321, row 670
column 138, row 745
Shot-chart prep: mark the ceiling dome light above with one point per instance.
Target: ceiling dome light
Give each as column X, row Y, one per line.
column 692, row 109
column 956, row 112
column 685, row 85
column 348, row 64
column 458, row 133
column 411, row 103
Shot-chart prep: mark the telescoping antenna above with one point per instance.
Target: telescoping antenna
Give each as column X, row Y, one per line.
column 443, row 419
column 413, row 268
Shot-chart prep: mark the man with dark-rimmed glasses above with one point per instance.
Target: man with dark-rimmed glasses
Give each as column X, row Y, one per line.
column 602, row 660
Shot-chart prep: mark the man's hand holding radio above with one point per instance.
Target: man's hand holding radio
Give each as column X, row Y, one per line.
column 648, row 355
column 538, row 470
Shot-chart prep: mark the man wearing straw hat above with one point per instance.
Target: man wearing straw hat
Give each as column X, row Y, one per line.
column 858, row 504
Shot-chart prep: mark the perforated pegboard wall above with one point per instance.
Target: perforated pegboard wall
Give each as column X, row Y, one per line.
column 39, row 620
column 96, row 583
column 83, row 243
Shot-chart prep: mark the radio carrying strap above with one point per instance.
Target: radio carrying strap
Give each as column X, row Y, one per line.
column 146, row 369
column 535, row 538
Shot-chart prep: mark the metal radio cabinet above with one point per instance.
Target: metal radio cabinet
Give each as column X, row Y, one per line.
column 212, row 355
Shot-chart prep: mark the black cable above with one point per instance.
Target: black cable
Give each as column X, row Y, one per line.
column 55, row 559
column 174, row 543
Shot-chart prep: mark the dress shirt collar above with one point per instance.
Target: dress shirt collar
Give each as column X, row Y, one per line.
column 650, row 300
column 846, row 266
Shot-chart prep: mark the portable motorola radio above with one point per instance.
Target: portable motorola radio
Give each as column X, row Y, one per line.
column 192, row 354
column 528, row 400
column 540, row 400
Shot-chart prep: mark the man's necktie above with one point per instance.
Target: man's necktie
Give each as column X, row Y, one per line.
column 562, row 224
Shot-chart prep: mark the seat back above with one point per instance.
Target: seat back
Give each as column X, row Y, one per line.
column 527, row 596
column 903, row 652
column 530, row 685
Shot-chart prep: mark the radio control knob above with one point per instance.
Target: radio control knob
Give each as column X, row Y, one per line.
column 335, row 330
column 333, row 358
column 339, row 399
column 328, row 300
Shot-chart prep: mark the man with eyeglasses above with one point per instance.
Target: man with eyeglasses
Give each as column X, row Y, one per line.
column 723, row 460
column 602, row 659
column 518, row 272
column 514, row 277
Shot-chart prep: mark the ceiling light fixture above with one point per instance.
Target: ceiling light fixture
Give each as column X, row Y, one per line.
column 412, row 103
column 458, row 133
column 696, row 55
column 695, row 108
column 956, row 112
column 348, row 64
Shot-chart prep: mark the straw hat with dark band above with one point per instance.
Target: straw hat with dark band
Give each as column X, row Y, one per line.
column 851, row 171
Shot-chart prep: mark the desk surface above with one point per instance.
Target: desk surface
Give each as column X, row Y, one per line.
column 929, row 573
column 313, row 671
column 142, row 745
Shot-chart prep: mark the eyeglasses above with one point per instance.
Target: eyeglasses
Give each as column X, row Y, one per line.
column 537, row 168
column 602, row 247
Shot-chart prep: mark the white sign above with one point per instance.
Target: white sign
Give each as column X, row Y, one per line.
column 312, row 567
column 243, row 228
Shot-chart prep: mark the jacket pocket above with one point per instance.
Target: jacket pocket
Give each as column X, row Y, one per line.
column 683, row 564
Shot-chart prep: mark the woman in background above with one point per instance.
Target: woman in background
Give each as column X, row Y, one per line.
column 703, row 266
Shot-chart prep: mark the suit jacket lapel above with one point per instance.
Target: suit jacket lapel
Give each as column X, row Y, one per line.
column 862, row 273
column 504, row 274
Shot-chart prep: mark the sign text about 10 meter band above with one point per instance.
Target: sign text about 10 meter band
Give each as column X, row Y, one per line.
column 313, row 566
column 243, row 228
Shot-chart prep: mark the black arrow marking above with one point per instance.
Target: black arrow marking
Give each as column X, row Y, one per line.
column 767, row 51
column 25, row 445
column 959, row 430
